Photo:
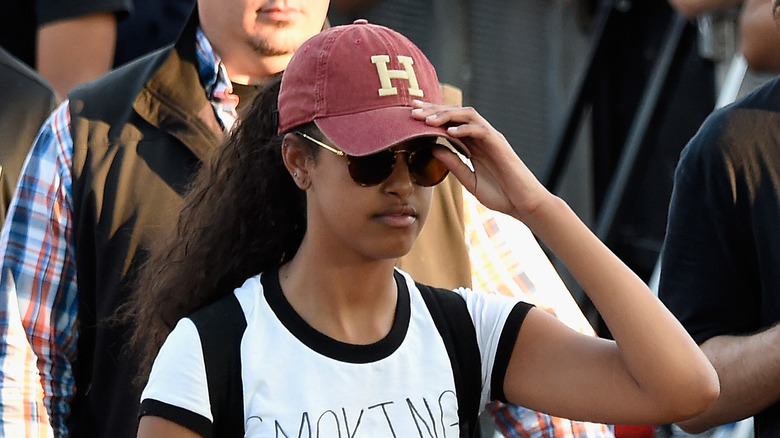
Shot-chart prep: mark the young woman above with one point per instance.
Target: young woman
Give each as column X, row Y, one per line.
column 302, row 326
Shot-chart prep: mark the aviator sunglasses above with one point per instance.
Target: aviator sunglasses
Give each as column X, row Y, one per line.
column 370, row 170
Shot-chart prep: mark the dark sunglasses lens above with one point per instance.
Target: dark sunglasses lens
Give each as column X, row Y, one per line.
column 426, row 170
column 371, row 170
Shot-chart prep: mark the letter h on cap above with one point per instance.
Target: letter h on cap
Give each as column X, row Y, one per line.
column 386, row 75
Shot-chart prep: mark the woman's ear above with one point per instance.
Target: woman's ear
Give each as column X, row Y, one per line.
column 296, row 159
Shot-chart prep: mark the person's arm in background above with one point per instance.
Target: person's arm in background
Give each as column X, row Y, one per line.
column 76, row 50
column 694, row 8
column 749, row 372
column 76, row 39
column 38, row 270
column 759, row 36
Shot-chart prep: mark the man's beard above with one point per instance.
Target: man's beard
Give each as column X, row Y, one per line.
column 263, row 47
column 268, row 47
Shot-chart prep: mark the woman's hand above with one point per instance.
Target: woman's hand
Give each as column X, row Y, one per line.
column 499, row 180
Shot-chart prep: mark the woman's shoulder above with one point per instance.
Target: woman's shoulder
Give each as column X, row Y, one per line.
column 475, row 302
column 232, row 306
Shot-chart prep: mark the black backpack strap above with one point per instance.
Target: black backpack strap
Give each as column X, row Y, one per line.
column 456, row 328
column 221, row 327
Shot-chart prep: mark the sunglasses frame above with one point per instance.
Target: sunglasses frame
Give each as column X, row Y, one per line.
column 341, row 153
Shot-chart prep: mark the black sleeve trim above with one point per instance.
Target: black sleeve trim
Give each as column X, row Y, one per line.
column 195, row 422
column 506, row 344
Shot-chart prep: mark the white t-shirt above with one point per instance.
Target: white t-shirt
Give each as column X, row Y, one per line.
column 297, row 382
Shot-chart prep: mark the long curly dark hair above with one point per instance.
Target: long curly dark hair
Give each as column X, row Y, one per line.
column 242, row 215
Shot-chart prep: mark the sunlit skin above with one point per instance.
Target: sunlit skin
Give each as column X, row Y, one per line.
column 257, row 38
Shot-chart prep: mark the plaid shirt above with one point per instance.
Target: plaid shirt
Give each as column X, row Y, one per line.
column 519, row 422
column 38, row 270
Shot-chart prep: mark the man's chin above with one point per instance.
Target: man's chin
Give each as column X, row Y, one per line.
column 277, row 45
column 264, row 47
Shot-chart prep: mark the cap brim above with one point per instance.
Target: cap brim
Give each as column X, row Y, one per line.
column 368, row 132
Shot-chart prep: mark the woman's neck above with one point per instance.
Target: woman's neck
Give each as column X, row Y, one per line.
column 352, row 303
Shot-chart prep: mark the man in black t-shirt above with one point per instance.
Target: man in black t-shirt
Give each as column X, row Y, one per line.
column 720, row 271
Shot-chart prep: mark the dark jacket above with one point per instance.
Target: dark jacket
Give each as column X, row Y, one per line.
column 139, row 134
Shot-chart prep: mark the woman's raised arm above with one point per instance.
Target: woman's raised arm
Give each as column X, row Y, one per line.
column 653, row 372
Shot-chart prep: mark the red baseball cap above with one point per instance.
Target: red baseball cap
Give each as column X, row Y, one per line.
column 356, row 83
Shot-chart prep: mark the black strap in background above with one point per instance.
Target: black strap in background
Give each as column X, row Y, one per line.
column 454, row 323
column 221, row 327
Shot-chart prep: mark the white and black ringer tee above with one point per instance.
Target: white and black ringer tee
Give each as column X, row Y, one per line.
column 298, row 382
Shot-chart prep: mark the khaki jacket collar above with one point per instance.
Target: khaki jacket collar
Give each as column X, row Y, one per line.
column 174, row 100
